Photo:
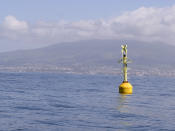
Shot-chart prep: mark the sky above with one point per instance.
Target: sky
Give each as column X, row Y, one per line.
column 38, row 23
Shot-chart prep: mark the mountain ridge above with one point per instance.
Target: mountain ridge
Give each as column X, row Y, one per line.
column 92, row 52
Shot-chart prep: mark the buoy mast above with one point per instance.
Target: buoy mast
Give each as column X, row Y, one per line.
column 124, row 60
column 125, row 87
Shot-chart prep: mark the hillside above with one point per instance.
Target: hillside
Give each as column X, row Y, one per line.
column 92, row 53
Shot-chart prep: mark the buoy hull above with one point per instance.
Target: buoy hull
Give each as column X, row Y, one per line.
column 125, row 88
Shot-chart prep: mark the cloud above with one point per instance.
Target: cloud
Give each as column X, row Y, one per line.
column 147, row 24
column 143, row 24
column 11, row 23
column 11, row 28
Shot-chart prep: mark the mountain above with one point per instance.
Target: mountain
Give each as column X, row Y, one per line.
column 92, row 53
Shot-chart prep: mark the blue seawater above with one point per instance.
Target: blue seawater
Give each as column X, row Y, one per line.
column 67, row 102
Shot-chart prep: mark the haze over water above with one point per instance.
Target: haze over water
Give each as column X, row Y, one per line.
column 52, row 102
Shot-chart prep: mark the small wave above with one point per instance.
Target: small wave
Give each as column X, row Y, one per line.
column 125, row 115
column 88, row 90
column 29, row 108
column 62, row 106
column 46, row 122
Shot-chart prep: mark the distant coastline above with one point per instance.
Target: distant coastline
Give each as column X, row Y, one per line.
column 106, row 70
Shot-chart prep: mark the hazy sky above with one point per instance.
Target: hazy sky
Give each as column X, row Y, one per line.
column 28, row 24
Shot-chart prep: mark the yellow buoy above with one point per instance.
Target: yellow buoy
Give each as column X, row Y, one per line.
column 125, row 87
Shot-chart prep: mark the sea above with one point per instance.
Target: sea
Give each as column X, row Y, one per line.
column 71, row 102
